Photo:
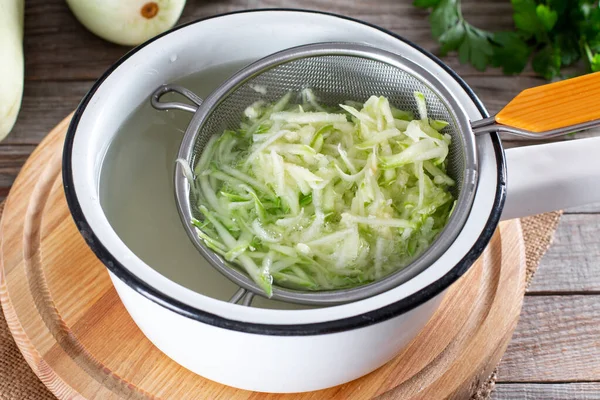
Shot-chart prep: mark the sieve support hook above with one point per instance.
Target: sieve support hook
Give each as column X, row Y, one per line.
column 243, row 297
column 489, row 125
column 172, row 105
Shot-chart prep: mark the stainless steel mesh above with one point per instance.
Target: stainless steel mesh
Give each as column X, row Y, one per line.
column 337, row 73
column 335, row 79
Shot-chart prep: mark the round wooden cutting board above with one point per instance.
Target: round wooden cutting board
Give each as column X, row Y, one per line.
column 76, row 335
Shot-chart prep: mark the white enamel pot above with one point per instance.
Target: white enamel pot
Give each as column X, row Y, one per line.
column 296, row 350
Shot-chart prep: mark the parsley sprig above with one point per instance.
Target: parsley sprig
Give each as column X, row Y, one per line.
column 551, row 34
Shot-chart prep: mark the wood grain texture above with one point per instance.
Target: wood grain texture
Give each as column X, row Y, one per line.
column 571, row 265
column 534, row 391
column 587, row 209
column 497, row 91
column 554, row 105
column 12, row 159
column 557, row 340
column 78, row 338
column 57, row 47
column 44, row 105
column 63, row 59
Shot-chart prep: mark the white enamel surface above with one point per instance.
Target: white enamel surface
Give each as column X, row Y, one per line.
column 235, row 38
column 551, row 177
column 273, row 363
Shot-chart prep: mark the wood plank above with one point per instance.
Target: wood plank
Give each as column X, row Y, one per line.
column 12, row 159
column 58, row 47
column 587, row 209
column 497, row 91
column 534, row 391
column 44, row 105
column 572, row 262
column 557, row 340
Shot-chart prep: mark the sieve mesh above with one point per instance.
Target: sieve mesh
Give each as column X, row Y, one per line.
column 334, row 79
column 335, row 73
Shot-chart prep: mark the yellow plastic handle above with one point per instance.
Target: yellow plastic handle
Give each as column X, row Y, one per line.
column 555, row 105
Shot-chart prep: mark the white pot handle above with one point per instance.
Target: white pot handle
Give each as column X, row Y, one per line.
column 552, row 176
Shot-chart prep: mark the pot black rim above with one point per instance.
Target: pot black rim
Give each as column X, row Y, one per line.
column 305, row 329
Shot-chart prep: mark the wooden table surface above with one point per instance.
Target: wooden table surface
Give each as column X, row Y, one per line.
column 555, row 351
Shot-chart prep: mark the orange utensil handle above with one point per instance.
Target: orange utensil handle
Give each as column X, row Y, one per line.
column 554, row 106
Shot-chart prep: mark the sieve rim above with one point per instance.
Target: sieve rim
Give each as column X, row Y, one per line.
column 339, row 296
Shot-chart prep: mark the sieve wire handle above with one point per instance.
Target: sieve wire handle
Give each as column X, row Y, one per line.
column 243, row 297
column 548, row 111
column 172, row 105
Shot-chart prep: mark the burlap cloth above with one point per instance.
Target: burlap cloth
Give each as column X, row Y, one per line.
column 18, row 382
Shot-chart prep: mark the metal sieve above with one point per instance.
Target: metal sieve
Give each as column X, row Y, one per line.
column 335, row 72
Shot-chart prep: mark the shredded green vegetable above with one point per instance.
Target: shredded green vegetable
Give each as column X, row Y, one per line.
column 316, row 199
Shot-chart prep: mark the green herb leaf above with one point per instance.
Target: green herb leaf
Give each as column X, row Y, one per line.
column 553, row 34
column 454, row 33
column 526, row 18
column 593, row 58
column 452, row 38
column 426, row 3
column 595, row 63
column 476, row 48
column 547, row 62
column 568, row 46
column 444, row 17
column 560, row 6
column 511, row 53
column 546, row 16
